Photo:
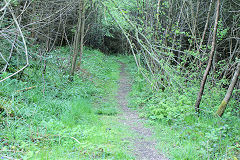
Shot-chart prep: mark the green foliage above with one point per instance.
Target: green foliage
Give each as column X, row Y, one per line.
column 59, row 119
column 126, row 6
column 183, row 134
column 221, row 31
column 110, row 24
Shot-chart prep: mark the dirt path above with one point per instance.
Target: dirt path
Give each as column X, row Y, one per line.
column 143, row 147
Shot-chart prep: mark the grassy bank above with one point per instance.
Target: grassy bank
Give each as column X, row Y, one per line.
column 182, row 134
column 45, row 116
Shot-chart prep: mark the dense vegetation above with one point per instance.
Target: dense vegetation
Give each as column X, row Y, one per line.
column 59, row 68
column 57, row 119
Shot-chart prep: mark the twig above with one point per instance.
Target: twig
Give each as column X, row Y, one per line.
column 75, row 139
column 26, row 89
column 6, row 5
column 24, row 42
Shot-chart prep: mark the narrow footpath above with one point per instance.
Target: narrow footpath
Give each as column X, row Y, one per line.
column 144, row 148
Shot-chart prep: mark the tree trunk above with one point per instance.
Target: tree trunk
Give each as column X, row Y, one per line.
column 199, row 98
column 203, row 37
column 206, row 26
column 228, row 95
column 78, row 37
column 82, row 34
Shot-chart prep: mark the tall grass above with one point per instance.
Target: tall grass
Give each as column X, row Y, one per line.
column 57, row 118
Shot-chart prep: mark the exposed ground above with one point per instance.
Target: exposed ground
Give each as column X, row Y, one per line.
column 144, row 146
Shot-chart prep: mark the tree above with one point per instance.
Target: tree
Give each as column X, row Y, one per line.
column 209, row 61
column 228, row 95
column 79, row 36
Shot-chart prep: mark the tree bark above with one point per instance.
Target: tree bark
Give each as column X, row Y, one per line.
column 199, row 98
column 206, row 26
column 78, row 37
column 203, row 37
column 82, row 34
column 228, row 95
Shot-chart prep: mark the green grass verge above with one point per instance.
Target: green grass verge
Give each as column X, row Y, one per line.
column 59, row 119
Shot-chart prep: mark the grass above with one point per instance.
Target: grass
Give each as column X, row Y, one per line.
column 59, row 119
column 180, row 132
column 45, row 116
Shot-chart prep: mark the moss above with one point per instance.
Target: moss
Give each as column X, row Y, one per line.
column 221, row 108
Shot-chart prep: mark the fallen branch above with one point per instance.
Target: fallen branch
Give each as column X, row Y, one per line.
column 26, row 89
column 75, row 139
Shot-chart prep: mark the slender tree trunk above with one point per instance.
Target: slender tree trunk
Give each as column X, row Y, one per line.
column 178, row 24
column 157, row 25
column 203, row 37
column 206, row 26
column 169, row 23
column 77, row 38
column 82, row 33
column 228, row 95
column 199, row 98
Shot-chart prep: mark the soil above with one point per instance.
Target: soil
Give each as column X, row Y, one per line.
column 144, row 145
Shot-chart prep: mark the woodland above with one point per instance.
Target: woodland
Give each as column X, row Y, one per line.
column 61, row 62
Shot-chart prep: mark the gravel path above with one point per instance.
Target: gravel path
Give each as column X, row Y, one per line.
column 143, row 147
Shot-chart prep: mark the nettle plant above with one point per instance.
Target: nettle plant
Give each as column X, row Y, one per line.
column 221, row 31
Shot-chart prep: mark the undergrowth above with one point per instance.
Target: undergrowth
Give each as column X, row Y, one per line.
column 43, row 115
column 181, row 132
